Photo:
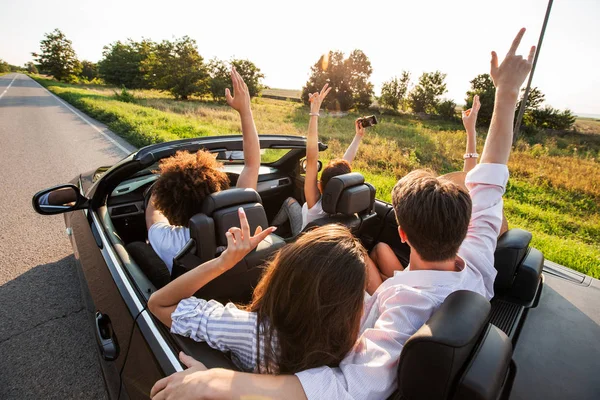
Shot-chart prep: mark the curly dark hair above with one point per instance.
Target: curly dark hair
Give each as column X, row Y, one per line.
column 337, row 166
column 185, row 180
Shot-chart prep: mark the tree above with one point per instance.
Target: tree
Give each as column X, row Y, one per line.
column 219, row 78
column 348, row 79
column 425, row 95
column 4, row 66
column 31, row 68
column 177, row 67
column 89, row 70
column 393, row 92
column 121, row 64
column 57, row 56
column 483, row 86
column 251, row 75
column 360, row 70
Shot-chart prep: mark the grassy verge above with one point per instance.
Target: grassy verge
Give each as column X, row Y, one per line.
column 554, row 191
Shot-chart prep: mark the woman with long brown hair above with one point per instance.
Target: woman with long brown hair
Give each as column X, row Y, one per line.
column 305, row 312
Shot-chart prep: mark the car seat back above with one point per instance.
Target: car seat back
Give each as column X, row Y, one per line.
column 349, row 201
column 455, row 354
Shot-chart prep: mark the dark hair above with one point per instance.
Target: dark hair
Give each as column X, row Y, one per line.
column 309, row 301
column 337, row 166
column 434, row 212
column 185, row 180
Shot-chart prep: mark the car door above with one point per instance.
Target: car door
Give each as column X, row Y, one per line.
column 114, row 302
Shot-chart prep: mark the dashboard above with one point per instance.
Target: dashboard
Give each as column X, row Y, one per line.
column 127, row 199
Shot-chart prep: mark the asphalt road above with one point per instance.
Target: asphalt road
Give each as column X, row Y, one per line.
column 47, row 349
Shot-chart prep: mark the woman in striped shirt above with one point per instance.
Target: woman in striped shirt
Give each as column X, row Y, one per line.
column 305, row 312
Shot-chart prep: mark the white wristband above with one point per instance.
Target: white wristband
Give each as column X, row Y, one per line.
column 312, row 114
column 470, row 155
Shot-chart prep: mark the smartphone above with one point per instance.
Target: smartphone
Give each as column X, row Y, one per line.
column 366, row 122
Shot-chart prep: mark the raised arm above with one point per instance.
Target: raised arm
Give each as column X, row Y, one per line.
column 164, row 301
column 469, row 119
column 353, row 148
column 240, row 101
column 311, row 188
column 508, row 78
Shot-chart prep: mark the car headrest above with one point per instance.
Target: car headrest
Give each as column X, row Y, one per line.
column 347, row 194
column 227, row 198
column 219, row 213
column 434, row 357
column 510, row 251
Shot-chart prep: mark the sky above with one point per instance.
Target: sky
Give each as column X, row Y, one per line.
column 284, row 38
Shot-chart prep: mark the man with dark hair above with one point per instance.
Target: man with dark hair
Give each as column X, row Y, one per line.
column 186, row 179
column 439, row 265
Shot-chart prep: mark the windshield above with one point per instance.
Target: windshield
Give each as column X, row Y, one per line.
column 267, row 156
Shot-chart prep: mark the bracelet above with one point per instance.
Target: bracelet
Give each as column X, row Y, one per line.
column 312, row 114
column 470, row 155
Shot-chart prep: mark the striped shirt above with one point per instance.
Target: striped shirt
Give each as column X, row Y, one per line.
column 225, row 328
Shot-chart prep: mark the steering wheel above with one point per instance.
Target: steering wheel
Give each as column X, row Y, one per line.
column 148, row 195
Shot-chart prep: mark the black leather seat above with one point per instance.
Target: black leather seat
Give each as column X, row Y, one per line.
column 519, row 266
column 457, row 354
column 349, row 201
column 207, row 232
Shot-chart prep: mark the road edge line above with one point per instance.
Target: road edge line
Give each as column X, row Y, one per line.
column 80, row 114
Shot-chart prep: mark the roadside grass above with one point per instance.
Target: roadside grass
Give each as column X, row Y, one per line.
column 554, row 190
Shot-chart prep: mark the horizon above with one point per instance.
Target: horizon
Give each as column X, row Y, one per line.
column 303, row 33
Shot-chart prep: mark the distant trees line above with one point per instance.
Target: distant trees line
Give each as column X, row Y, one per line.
column 174, row 66
column 177, row 67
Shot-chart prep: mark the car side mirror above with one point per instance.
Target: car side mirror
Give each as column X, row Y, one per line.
column 59, row 199
column 303, row 163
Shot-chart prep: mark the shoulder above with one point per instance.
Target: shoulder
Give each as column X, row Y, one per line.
column 316, row 209
column 162, row 233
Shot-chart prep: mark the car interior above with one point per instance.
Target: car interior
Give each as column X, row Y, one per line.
column 464, row 350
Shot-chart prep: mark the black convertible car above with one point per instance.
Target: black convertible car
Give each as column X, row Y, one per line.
column 538, row 338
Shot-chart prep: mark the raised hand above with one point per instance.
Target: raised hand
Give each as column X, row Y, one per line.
column 240, row 242
column 360, row 130
column 240, row 101
column 511, row 74
column 316, row 99
column 469, row 117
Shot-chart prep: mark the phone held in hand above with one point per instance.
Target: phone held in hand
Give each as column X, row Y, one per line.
column 366, row 122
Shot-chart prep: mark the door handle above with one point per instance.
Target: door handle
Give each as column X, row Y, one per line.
column 106, row 337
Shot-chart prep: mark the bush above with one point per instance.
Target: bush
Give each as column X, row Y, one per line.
column 552, row 118
column 125, row 96
column 31, row 68
column 447, row 110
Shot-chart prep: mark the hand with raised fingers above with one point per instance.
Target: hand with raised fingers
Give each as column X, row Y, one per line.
column 240, row 242
column 316, row 99
column 360, row 130
column 511, row 74
column 469, row 117
column 240, row 101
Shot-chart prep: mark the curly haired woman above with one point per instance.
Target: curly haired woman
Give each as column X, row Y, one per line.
column 186, row 179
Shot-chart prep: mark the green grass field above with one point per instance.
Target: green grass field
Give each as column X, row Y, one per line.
column 554, row 190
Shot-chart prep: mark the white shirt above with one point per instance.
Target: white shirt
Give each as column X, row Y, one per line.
column 403, row 303
column 167, row 240
column 311, row 214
